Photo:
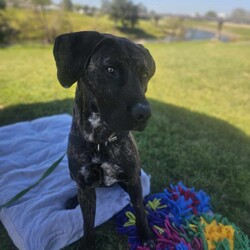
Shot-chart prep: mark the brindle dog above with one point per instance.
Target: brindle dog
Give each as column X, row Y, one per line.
column 112, row 74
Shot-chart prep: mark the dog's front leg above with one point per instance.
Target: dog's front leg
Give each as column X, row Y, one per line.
column 145, row 234
column 87, row 200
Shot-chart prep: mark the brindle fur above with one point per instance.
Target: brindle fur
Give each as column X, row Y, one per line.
column 118, row 161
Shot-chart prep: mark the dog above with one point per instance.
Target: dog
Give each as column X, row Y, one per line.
column 112, row 75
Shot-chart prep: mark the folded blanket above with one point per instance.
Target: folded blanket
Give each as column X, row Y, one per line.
column 39, row 220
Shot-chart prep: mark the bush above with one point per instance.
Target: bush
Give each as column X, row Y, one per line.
column 7, row 33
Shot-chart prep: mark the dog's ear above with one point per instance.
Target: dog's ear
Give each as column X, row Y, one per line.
column 72, row 52
column 150, row 60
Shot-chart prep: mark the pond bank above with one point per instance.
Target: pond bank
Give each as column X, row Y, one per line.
column 195, row 34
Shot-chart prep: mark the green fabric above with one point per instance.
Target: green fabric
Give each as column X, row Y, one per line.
column 53, row 166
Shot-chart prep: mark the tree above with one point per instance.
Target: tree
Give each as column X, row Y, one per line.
column 67, row 5
column 132, row 14
column 105, row 6
column 240, row 14
column 2, row 4
column 211, row 14
column 117, row 12
column 78, row 7
column 125, row 12
column 86, row 9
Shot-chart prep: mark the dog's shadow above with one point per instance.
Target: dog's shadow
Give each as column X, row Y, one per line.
column 178, row 144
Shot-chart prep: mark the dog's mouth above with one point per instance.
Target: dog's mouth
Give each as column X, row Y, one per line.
column 132, row 126
column 127, row 121
column 141, row 126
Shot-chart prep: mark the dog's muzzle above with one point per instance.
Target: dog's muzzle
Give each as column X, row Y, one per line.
column 141, row 113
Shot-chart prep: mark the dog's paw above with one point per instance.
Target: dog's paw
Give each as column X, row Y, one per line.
column 150, row 244
column 91, row 175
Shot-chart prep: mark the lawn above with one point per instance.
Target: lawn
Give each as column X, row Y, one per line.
column 199, row 133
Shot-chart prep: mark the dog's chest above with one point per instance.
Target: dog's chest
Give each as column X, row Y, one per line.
column 116, row 153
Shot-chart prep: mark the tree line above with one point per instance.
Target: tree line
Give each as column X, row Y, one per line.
column 124, row 13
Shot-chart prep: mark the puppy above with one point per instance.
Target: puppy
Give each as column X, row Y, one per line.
column 112, row 74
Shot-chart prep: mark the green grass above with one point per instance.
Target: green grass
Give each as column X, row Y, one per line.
column 199, row 132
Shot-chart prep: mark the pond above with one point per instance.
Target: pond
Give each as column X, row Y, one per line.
column 197, row 34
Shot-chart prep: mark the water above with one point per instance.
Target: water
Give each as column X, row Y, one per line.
column 197, row 34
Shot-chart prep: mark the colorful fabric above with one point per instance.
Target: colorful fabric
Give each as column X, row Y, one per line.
column 182, row 219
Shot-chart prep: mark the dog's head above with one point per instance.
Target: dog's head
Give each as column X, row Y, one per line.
column 115, row 70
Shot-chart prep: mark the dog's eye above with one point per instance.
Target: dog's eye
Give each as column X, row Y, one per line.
column 145, row 74
column 111, row 70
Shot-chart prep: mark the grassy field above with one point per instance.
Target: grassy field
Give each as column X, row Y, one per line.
column 199, row 133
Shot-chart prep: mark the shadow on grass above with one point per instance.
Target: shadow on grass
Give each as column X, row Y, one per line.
column 25, row 112
column 136, row 33
column 178, row 144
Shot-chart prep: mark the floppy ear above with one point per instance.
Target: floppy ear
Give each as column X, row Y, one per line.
column 72, row 52
column 150, row 60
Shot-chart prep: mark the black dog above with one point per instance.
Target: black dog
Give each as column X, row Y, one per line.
column 112, row 75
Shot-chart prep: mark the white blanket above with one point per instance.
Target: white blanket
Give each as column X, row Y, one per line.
column 39, row 220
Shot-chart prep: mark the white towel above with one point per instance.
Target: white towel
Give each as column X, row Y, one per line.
column 39, row 220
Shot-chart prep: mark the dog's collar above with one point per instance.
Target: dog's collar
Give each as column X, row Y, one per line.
column 112, row 138
column 80, row 142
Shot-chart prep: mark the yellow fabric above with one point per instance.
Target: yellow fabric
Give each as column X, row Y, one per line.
column 216, row 232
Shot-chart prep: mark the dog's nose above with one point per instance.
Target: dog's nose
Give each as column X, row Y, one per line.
column 141, row 112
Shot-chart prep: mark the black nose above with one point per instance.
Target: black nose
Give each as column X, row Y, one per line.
column 141, row 112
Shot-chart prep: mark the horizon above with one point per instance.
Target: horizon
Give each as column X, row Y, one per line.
column 181, row 7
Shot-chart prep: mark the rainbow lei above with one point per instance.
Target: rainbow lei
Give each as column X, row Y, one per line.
column 181, row 219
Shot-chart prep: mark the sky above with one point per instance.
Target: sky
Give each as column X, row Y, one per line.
column 183, row 6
